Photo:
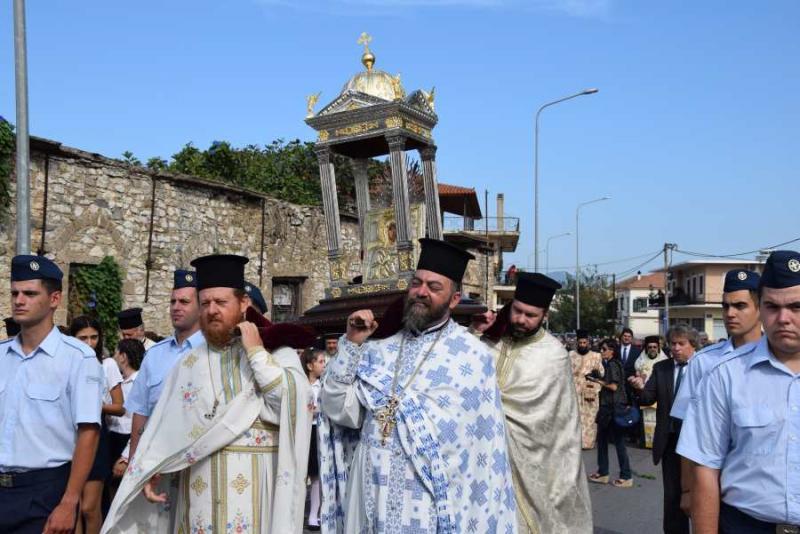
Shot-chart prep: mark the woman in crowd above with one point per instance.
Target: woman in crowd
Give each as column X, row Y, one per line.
column 314, row 365
column 612, row 395
column 129, row 356
column 89, row 331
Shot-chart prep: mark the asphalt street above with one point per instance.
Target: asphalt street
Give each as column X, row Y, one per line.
column 635, row 510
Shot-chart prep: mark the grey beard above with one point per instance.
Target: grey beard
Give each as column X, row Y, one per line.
column 417, row 319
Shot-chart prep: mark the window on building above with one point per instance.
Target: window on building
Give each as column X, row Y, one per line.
column 287, row 298
column 699, row 324
column 701, row 284
column 640, row 305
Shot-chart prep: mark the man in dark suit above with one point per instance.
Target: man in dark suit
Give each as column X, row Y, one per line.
column 627, row 353
column 661, row 387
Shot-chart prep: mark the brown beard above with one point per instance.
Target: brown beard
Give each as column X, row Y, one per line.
column 217, row 333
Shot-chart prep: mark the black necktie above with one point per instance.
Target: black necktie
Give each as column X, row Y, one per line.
column 679, row 379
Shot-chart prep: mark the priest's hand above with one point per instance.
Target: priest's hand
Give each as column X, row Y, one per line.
column 251, row 339
column 482, row 321
column 151, row 492
column 360, row 325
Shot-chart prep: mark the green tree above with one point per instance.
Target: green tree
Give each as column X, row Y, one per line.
column 7, row 147
column 99, row 288
column 130, row 159
column 596, row 305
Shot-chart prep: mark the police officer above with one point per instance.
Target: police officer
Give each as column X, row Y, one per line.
column 740, row 314
column 50, row 399
column 159, row 360
column 744, row 427
column 257, row 297
column 131, row 326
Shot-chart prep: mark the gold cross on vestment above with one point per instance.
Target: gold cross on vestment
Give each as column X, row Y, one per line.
column 386, row 418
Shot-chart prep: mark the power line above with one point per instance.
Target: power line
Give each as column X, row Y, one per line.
column 623, row 260
column 628, row 272
column 703, row 255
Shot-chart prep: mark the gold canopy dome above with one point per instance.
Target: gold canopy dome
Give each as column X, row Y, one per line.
column 372, row 81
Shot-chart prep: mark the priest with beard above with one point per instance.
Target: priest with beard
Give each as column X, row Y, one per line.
column 541, row 412
column 231, row 428
column 585, row 361
column 413, row 437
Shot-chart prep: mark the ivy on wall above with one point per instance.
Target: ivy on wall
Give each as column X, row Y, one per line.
column 7, row 144
column 99, row 290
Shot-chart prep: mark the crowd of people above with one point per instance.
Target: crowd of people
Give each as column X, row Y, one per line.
column 407, row 423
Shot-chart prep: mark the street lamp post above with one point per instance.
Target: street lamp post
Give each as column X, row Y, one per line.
column 547, row 249
column 536, row 171
column 578, row 258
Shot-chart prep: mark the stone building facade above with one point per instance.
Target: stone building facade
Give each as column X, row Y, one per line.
column 85, row 206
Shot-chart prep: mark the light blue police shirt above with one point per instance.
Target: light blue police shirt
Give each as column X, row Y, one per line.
column 44, row 395
column 746, row 423
column 156, row 366
column 697, row 369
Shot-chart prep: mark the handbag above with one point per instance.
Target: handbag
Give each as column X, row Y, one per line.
column 626, row 416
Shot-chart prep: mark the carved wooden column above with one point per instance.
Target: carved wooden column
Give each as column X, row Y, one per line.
column 433, row 214
column 362, row 196
column 330, row 207
column 397, row 159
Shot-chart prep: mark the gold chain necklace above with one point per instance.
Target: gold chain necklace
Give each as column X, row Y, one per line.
column 387, row 415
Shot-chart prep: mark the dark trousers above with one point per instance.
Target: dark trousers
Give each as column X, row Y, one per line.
column 25, row 506
column 611, row 433
column 734, row 521
column 675, row 521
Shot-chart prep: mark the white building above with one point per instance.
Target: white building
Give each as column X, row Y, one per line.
column 632, row 296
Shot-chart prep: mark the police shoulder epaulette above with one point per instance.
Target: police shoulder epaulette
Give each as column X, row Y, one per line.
column 75, row 343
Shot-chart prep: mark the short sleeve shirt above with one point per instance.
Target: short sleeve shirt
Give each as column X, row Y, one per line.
column 44, row 396
column 156, row 366
column 746, row 424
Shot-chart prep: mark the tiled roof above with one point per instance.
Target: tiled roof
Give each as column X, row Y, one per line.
column 644, row 282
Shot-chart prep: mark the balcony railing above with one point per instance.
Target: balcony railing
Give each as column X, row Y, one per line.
column 495, row 224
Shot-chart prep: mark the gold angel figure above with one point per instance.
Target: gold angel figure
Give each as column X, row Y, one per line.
column 311, row 101
column 397, row 87
column 431, row 97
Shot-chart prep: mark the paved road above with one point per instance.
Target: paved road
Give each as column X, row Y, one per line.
column 633, row 510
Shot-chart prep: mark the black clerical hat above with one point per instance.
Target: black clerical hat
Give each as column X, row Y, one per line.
column 652, row 339
column 443, row 258
column 130, row 318
column 535, row 289
column 581, row 334
column 220, row 270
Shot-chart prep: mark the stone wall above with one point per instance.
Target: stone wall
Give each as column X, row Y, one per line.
column 98, row 206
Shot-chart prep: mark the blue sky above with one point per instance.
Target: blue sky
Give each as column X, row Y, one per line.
column 694, row 133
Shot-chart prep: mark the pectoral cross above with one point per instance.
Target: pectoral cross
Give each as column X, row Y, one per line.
column 386, row 418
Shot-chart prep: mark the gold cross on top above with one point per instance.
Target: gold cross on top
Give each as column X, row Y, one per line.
column 365, row 39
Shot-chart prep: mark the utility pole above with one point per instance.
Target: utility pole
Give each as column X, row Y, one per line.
column 668, row 247
column 23, row 207
column 486, row 254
